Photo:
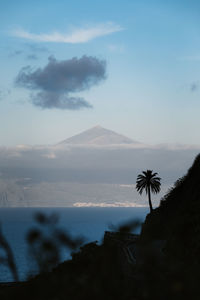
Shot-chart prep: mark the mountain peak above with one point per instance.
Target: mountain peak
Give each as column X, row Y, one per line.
column 98, row 135
column 97, row 126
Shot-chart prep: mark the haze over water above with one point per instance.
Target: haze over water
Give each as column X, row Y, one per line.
column 88, row 222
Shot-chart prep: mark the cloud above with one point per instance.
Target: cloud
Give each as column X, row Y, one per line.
column 53, row 85
column 32, row 57
column 81, row 35
column 30, row 51
column 194, row 86
column 36, row 48
column 119, row 166
column 4, row 93
column 16, row 53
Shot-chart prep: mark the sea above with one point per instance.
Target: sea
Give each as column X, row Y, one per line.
column 88, row 222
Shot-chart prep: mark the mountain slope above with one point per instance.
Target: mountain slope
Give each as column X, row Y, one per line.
column 177, row 219
column 98, row 136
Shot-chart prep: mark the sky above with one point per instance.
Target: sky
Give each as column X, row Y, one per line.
column 132, row 66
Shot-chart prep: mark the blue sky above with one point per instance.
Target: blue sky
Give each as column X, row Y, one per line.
column 145, row 84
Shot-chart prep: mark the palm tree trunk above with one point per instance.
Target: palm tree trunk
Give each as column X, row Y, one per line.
column 149, row 196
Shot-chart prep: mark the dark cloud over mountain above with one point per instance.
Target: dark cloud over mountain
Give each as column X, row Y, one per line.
column 53, row 85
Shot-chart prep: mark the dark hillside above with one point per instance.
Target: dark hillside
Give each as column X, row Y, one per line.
column 177, row 219
column 162, row 263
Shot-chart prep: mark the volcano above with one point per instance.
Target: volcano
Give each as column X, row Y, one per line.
column 98, row 136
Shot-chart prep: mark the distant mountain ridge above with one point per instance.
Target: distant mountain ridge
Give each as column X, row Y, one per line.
column 98, row 136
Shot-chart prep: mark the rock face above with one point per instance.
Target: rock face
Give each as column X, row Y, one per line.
column 98, row 136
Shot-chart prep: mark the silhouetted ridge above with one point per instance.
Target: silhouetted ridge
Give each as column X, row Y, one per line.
column 161, row 263
column 177, row 219
column 187, row 186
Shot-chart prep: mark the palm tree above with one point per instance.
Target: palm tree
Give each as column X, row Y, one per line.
column 149, row 182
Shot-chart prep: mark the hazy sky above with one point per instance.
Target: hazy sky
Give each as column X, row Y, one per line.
column 132, row 66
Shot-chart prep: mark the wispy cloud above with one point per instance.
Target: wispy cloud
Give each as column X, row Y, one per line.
column 80, row 35
column 30, row 51
column 15, row 53
column 34, row 48
column 194, row 86
column 4, row 93
column 32, row 57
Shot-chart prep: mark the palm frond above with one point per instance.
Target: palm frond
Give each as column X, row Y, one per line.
column 148, row 179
